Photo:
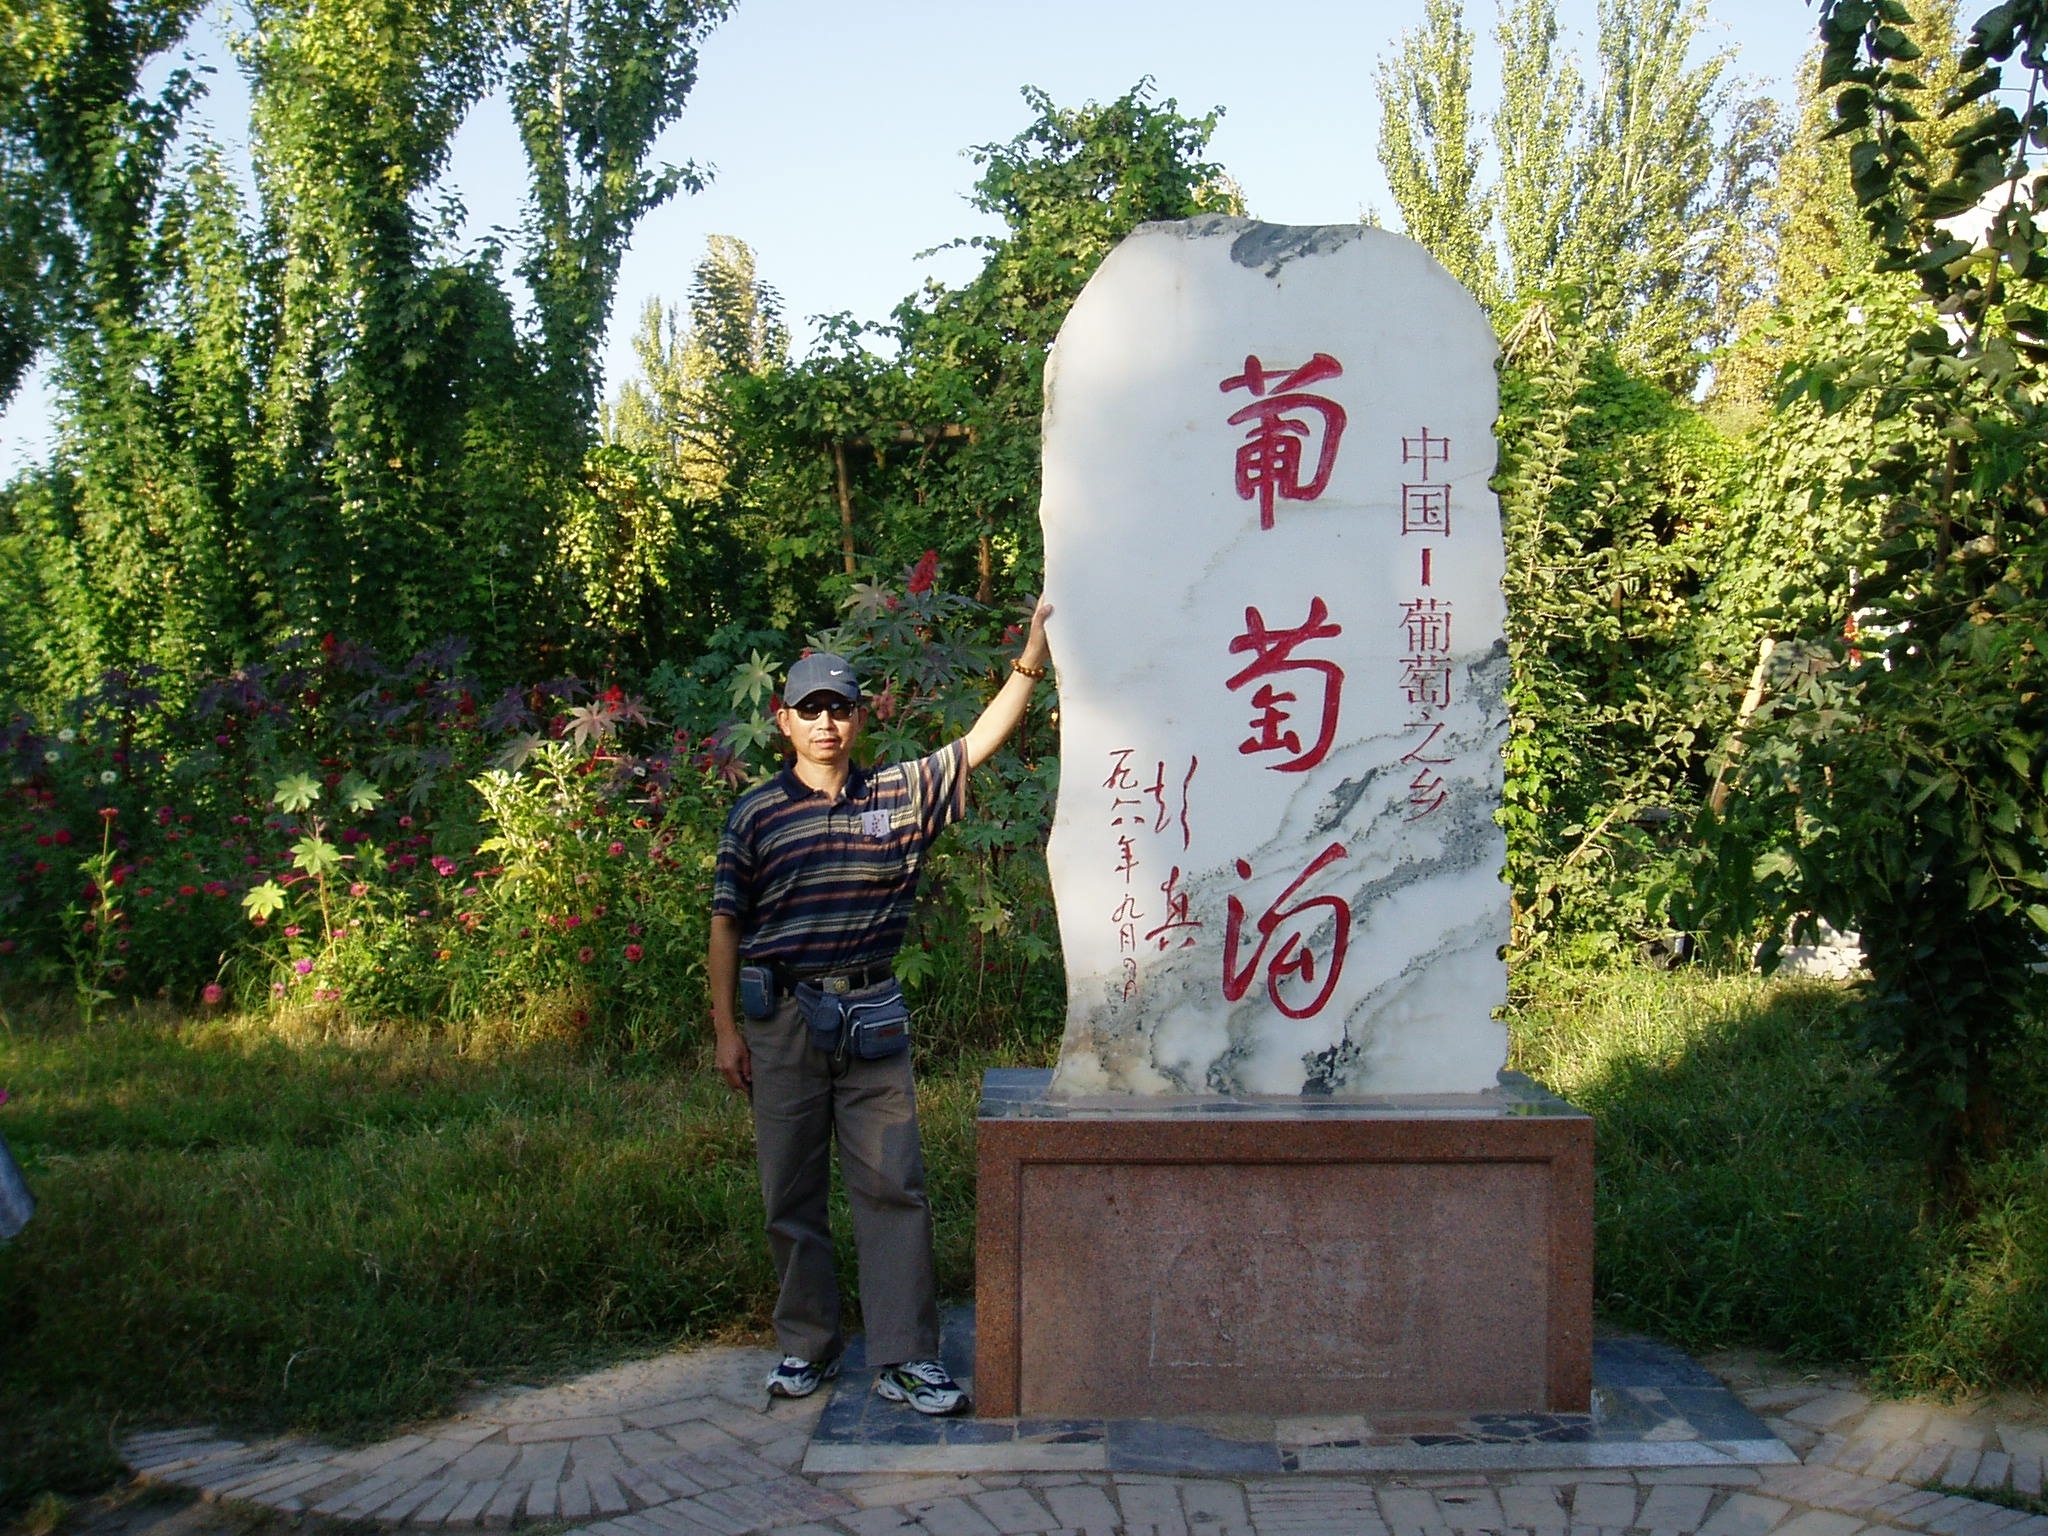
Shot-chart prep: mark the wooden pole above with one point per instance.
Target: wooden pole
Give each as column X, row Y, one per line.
column 845, row 488
column 1718, row 795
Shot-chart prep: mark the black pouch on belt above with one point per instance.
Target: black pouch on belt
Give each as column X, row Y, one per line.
column 822, row 1014
column 757, row 991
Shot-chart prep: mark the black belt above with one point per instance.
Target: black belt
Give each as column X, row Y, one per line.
column 787, row 977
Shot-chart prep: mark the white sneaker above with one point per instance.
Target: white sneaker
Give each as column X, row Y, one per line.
column 924, row 1385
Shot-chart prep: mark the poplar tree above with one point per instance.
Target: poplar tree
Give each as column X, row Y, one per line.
column 1427, row 146
column 1641, row 191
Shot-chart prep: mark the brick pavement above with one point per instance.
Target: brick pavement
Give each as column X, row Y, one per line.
column 686, row 1445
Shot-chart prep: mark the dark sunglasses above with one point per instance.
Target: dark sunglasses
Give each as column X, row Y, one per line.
column 840, row 711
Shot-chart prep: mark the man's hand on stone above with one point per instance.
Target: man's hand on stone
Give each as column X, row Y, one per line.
column 1035, row 645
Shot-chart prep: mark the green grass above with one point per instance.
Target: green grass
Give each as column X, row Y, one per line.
column 341, row 1233
column 1755, row 1188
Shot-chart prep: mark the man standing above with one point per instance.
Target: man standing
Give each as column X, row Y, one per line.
column 817, row 872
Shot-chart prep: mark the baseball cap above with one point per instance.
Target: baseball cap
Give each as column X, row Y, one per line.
column 822, row 672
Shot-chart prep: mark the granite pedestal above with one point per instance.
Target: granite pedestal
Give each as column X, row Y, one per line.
column 1426, row 1253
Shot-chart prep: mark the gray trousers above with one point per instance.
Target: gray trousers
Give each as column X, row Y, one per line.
column 801, row 1098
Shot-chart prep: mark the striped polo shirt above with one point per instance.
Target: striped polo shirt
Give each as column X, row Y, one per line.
column 826, row 885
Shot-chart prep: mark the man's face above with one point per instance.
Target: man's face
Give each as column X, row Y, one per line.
column 821, row 728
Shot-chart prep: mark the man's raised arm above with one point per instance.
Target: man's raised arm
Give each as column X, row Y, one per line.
column 1007, row 707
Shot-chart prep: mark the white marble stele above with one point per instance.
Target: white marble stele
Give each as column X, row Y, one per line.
column 1276, row 563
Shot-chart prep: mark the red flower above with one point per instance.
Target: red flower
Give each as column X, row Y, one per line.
column 61, row 837
column 633, row 954
column 188, row 890
column 585, row 955
column 927, row 571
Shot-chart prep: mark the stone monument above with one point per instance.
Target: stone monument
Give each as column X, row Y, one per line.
column 1278, row 1167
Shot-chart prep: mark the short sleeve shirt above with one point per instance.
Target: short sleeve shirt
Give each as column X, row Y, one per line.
column 823, row 884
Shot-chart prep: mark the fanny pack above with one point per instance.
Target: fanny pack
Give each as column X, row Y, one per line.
column 867, row 1025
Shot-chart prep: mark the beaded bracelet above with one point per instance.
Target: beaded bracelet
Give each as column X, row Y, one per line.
column 1034, row 673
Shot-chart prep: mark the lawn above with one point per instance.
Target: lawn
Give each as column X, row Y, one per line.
column 266, row 1226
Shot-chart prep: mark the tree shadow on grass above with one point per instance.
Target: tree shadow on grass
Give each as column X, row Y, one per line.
column 1755, row 1187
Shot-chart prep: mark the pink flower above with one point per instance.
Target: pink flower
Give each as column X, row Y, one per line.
column 633, row 954
column 443, row 865
column 292, row 932
column 212, row 994
column 585, row 955
column 277, row 989
column 303, row 967
column 616, row 849
column 359, row 889
column 572, row 921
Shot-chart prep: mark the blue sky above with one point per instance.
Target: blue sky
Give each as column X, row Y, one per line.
column 837, row 129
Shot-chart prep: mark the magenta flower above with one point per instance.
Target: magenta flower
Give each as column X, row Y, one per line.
column 443, row 865
column 616, row 849
column 633, row 954
column 303, row 967
column 212, row 994
column 585, row 955
column 292, row 932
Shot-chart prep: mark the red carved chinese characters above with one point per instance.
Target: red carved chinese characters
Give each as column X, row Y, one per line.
column 1271, row 459
column 1426, row 503
column 1273, row 653
column 1293, row 959
column 1177, row 920
column 1425, row 677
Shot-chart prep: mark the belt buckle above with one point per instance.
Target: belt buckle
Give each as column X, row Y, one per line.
column 837, row 985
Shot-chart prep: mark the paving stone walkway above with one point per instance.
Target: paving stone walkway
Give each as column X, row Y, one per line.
column 687, row 1445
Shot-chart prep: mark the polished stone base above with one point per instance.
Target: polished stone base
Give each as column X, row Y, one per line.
column 1653, row 1408
column 1298, row 1256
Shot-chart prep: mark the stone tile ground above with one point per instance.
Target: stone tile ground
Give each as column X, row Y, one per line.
column 686, row 1445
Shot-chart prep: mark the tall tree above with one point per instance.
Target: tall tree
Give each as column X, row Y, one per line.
column 1643, row 192
column 593, row 84
column 1897, row 789
column 318, row 413
column 1541, row 98
column 1427, row 146
column 672, row 411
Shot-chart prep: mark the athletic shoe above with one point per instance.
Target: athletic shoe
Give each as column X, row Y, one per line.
column 924, row 1385
column 799, row 1378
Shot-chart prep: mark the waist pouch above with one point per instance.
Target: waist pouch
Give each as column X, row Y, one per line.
column 867, row 1025
column 757, row 991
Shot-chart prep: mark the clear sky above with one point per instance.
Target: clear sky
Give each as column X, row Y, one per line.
column 836, row 129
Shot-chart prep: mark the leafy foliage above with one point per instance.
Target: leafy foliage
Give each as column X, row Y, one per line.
column 1899, row 790
column 317, row 414
column 1643, row 194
